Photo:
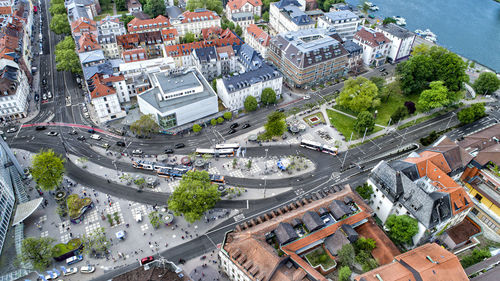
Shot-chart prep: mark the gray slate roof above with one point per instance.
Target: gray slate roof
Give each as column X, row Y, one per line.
column 312, row 221
column 409, row 169
column 247, row 79
column 91, row 56
column 340, row 15
column 296, row 15
column 241, row 16
column 206, row 54
column 351, row 47
column 285, row 233
column 349, row 232
column 396, row 30
column 339, row 209
column 335, row 242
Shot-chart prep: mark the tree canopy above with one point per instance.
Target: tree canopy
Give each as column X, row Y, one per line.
column 359, row 94
column 364, row 122
column 227, row 115
column 214, row 5
column 57, row 8
column 477, row 255
column 472, row 113
column 250, row 103
column 95, row 242
column 486, row 83
column 435, row 97
column 365, row 191
column 388, row 20
column 126, row 19
column 379, row 82
column 145, row 125
column 59, row 24
column 47, row 169
column 66, row 57
column 276, row 124
column 268, row 96
column 154, row 8
column 196, row 128
column 346, row 255
column 345, row 273
column 399, row 114
column 189, row 38
column 213, row 121
column 194, row 196
column 402, row 228
column 37, row 251
column 121, row 5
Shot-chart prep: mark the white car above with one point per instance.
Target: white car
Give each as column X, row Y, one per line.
column 307, row 97
column 87, row 269
column 70, row 271
column 49, row 94
column 11, row 130
column 44, row 97
column 137, row 151
column 52, row 134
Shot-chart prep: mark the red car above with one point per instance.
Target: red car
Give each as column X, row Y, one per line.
column 147, row 260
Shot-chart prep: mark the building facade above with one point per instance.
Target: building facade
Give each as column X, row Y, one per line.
column 346, row 23
column 14, row 91
column 195, row 21
column 375, row 46
column 257, row 39
column 401, row 41
column 110, row 26
column 308, row 57
column 288, row 15
column 243, row 6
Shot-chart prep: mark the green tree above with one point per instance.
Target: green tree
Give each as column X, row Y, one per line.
column 365, row 244
column 379, row 82
column 213, row 122
column 53, row 2
column 56, row 9
column 391, row 89
column 399, row 114
column 435, row 97
column 59, row 24
column 486, row 83
column 256, row 18
column 388, row 20
column 477, row 255
column 189, row 38
column 472, row 113
column 364, row 122
column 369, row 264
column 449, row 68
column 415, row 74
column 268, row 96
column 238, row 30
column 145, row 125
column 402, row 228
column 154, row 8
column 346, row 255
column 37, row 251
column 154, row 219
column 95, row 242
column 276, row 124
column 126, row 19
column 345, row 273
column 214, row 85
column 228, row 115
column 66, row 57
column 250, row 103
column 359, row 94
column 265, row 16
column 121, row 5
column 365, row 191
column 220, row 120
column 194, row 196
column 420, row 49
column 105, row 4
column 47, row 169
column 214, row 5
column 196, row 128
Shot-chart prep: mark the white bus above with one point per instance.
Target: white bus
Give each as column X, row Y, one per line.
column 233, row 146
column 215, row 152
column 319, row 147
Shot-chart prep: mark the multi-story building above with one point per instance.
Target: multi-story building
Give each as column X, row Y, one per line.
column 105, row 100
column 401, row 41
column 83, row 25
column 346, row 23
column 375, row 46
column 91, row 58
column 170, row 36
column 227, row 61
column 354, row 57
column 288, row 15
column 274, row 246
column 205, row 60
column 7, row 195
column 109, row 46
column 242, row 19
column 419, row 186
column 87, row 43
column 82, row 9
column 177, row 99
column 308, row 57
column 14, row 91
column 151, row 42
column 157, row 24
column 233, row 90
column 257, row 39
column 195, row 21
column 134, row 6
column 110, row 26
column 119, row 84
column 243, row 6
column 133, row 55
column 427, row 262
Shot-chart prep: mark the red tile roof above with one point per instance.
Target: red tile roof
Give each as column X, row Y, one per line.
column 237, row 4
column 371, row 38
column 179, row 50
column 188, row 16
column 84, row 24
column 88, row 42
column 5, row 10
column 113, row 79
column 102, row 90
column 169, row 34
column 260, row 35
column 134, row 55
column 137, row 25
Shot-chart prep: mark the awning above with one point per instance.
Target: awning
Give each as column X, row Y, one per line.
column 24, row 210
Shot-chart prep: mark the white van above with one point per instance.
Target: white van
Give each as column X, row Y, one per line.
column 95, row 137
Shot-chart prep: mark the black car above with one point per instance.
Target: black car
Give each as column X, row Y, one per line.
column 169, row 151
column 40, row 128
column 73, row 132
column 234, row 125
column 92, row 131
column 80, row 138
column 232, row 131
column 382, row 69
column 280, row 110
column 179, row 145
column 120, row 143
column 246, row 125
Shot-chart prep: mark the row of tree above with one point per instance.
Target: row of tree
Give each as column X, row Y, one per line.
column 59, row 22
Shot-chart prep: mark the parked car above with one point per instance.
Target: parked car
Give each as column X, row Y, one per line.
column 12, row 130
column 120, row 143
column 40, row 128
column 179, row 145
column 232, row 131
column 147, row 260
column 37, row 97
column 137, row 151
column 246, row 125
column 280, row 110
column 307, row 97
column 52, row 134
column 70, row 271
column 87, row 269
column 44, row 97
column 80, row 138
column 49, row 94
column 73, row 132
column 74, row 259
column 96, row 137
column 382, row 69
column 234, row 125
column 169, row 151
column 92, row 131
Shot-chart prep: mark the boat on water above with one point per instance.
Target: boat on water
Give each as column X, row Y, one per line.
column 400, row 20
column 427, row 35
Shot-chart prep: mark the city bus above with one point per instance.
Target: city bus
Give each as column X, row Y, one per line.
column 233, row 146
column 167, row 172
column 217, row 178
column 319, row 147
column 145, row 165
column 215, row 152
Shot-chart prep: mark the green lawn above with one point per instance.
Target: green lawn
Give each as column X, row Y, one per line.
column 320, row 257
column 319, row 115
column 345, row 125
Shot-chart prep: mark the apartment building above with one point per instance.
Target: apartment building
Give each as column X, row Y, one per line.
column 253, row 7
column 227, row 60
column 242, row 19
column 375, row 46
column 14, row 91
column 109, row 46
column 401, row 41
column 257, row 39
column 104, row 99
column 308, row 57
column 110, row 26
column 77, row 9
column 195, row 21
column 151, row 42
column 288, row 15
column 354, row 57
column 134, row 6
column 83, row 25
column 346, row 23
column 148, row 25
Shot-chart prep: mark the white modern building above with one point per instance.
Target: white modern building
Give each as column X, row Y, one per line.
column 14, row 91
column 106, row 103
column 178, row 99
column 346, row 23
column 111, row 25
column 401, row 41
column 257, row 39
column 375, row 46
column 243, row 6
column 288, row 15
column 195, row 21
column 233, row 90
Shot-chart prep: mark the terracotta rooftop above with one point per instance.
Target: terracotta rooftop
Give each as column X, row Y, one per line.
column 169, row 34
column 5, row 10
column 427, row 157
column 463, row 231
column 83, row 24
column 260, row 35
column 134, row 55
column 481, row 139
column 371, row 37
column 113, row 79
column 237, row 4
column 225, row 49
column 160, row 21
column 180, row 50
column 102, row 90
column 428, row 262
column 201, row 15
column 88, row 42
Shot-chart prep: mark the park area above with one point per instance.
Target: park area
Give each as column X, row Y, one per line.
column 345, row 125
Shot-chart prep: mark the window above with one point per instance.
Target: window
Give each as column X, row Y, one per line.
column 478, row 197
column 475, row 211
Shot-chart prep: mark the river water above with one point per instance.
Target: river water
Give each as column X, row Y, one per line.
column 470, row 28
